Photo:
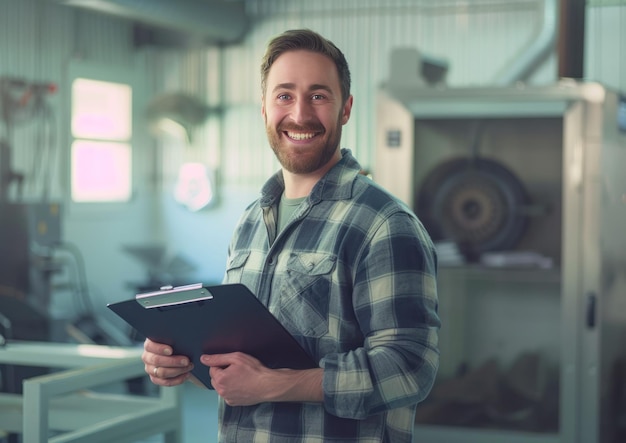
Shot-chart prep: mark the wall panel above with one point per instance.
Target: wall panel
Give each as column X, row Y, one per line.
column 39, row 40
column 605, row 48
column 478, row 39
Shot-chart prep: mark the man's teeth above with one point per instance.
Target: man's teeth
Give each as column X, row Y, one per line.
column 300, row 135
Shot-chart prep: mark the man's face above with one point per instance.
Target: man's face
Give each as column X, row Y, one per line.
column 303, row 111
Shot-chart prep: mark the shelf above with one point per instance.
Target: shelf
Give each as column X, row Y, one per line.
column 502, row 274
column 442, row 434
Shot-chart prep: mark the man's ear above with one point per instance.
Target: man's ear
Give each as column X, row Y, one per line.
column 263, row 106
column 347, row 109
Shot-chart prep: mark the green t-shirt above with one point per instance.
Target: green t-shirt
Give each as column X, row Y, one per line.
column 286, row 208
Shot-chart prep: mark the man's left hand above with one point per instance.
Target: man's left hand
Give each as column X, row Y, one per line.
column 242, row 380
column 237, row 377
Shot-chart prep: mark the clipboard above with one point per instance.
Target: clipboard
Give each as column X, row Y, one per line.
column 196, row 319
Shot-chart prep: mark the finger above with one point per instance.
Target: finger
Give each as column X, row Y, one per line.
column 164, row 372
column 157, row 348
column 171, row 381
column 152, row 370
column 178, row 362
column 223, row 360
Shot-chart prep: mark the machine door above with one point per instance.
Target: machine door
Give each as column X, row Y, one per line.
column 601, row 308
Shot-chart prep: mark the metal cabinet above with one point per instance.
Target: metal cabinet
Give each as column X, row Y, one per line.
column 522, row 188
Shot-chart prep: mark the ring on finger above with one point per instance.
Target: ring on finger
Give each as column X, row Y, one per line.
column 155, row 370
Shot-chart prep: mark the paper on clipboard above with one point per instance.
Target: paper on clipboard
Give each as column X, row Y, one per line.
column 196, row 319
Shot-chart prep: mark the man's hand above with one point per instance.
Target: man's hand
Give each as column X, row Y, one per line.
column 242, row 380
column 164, row 368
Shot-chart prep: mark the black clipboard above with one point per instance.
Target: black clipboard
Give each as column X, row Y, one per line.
column 196, row 319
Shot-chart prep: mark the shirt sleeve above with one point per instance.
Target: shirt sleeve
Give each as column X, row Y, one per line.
column 395, row 302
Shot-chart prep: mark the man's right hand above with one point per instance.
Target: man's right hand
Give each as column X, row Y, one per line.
column 164, row 368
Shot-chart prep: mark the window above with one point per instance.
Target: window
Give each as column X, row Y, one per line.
column 101, row 160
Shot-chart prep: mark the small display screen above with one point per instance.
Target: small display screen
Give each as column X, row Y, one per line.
column 394, row 138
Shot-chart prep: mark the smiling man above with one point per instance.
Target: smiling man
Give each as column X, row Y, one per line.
column 304, row 110
column 344, row 266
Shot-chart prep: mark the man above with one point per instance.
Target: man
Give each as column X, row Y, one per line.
column 344, row 266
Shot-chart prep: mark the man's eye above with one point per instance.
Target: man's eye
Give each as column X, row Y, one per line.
column 317, row 97
column 284, row 97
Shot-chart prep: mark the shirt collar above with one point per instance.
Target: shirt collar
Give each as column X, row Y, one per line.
column 336, row 184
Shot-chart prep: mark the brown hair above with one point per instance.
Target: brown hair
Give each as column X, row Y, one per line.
column 311, row 41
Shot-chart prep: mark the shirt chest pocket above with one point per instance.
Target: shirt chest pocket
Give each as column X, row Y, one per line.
column 235, row 266
column 305, row 295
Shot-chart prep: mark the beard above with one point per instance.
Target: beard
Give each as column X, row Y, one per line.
column 307, row 159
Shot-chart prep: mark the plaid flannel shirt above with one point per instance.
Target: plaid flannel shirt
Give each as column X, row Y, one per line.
column 353, row 277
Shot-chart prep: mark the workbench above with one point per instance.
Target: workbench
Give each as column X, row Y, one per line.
column 70, row 405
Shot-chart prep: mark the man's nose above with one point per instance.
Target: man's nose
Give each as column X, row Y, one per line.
column 302, row 111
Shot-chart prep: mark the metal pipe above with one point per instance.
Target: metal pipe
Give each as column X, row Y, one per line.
column 525, row 63
column 572, row 38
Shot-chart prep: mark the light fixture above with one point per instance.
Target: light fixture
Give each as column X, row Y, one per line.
column 176, row 113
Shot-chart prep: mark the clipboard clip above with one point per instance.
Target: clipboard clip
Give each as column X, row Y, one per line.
column 173, row 296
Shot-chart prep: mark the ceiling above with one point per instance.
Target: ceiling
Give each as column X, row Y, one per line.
column 180, row 21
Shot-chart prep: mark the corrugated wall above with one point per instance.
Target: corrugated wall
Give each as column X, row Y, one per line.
column 605, row 50
column 38, row 40
column 196, row 72
column 477, row 38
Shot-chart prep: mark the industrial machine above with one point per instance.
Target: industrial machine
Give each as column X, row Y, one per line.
column 30, row 226
column 522, row 189
column 29, row 222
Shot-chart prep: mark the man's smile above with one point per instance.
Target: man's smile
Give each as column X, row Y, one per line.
column 300, row 136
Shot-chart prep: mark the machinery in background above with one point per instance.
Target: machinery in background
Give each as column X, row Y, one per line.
column 32, row 250
column 21, row 102
column 28, row 235
column 163, row 267
column 30, row 224
column 525, row 184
